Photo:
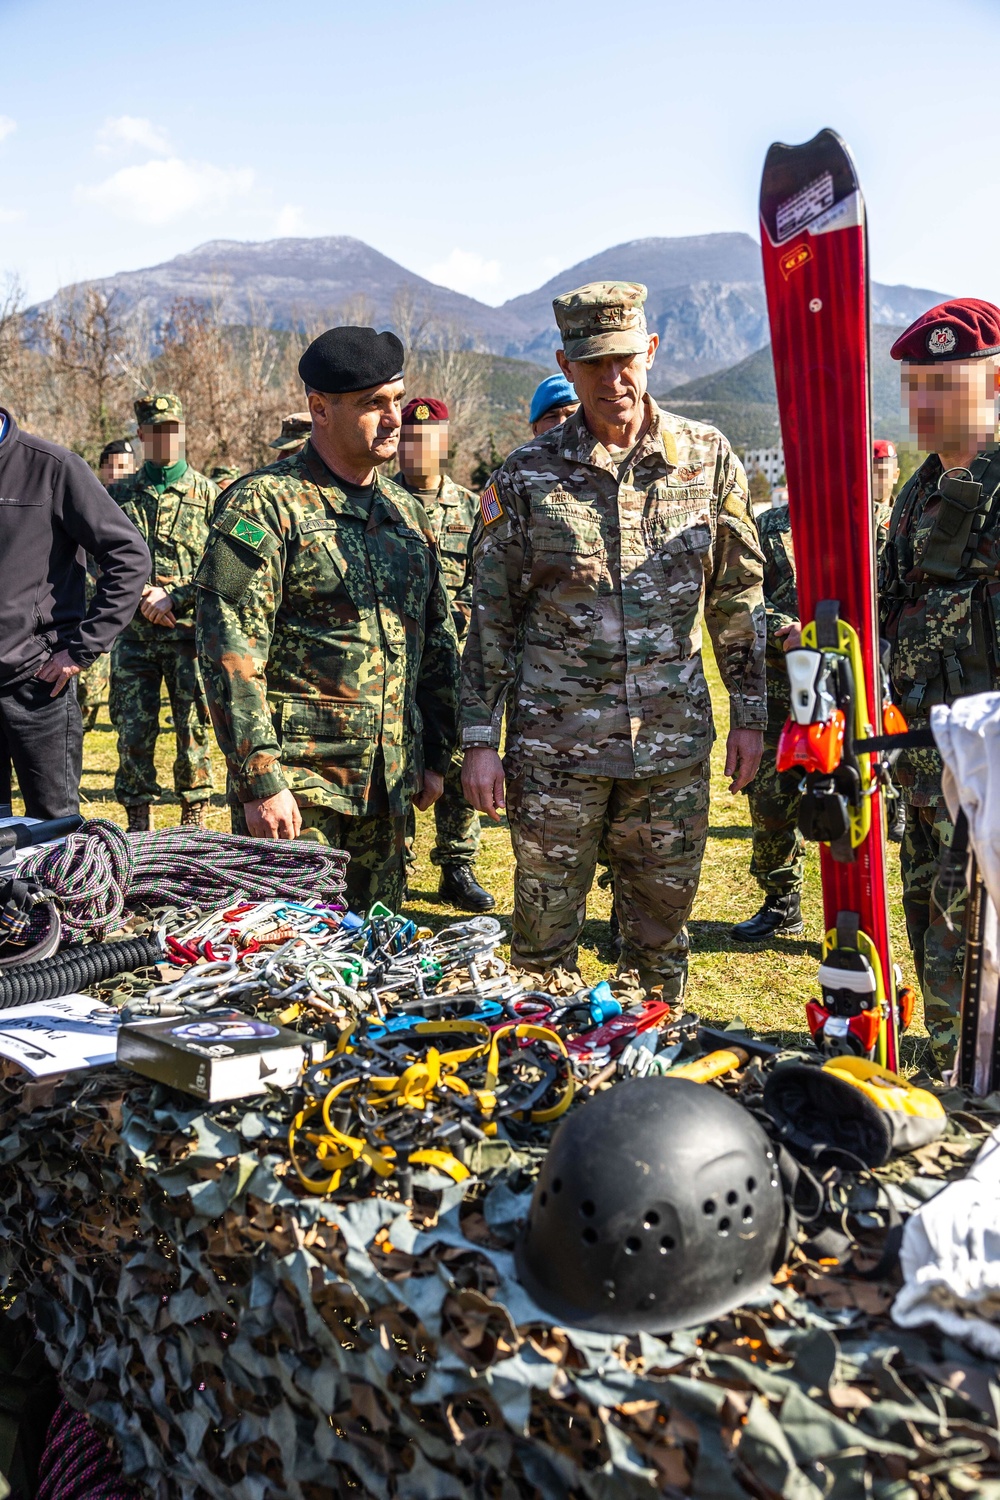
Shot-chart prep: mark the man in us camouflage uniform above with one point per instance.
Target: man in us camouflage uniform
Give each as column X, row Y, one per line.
column 452, row 510
column 117, row 461
column 939, row 593
column 605, row 544
column 325, row 632
column 171, row 504
column 778, row 847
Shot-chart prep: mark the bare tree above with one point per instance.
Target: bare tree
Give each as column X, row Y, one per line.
column 83, row 337
column 19, row 372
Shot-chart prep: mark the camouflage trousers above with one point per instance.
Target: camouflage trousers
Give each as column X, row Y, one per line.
column 778, row 855
column 92, row 689
column 936, row 937
column 653, row 832
column 375, row 844
column 138, row 668
column 456, row 824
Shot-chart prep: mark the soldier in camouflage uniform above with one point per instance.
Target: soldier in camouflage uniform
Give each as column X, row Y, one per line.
column 605, row 543
column 171, row 504
column 223, row 475
column 939, row 589
column 117, row 461
column 452, row 510
column 295, row 429
column 325, row 632
column 778, row 847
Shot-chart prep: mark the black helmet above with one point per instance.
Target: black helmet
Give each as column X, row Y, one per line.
column 658, row 1206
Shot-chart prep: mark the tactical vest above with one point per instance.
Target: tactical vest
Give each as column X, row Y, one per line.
column 941, row 603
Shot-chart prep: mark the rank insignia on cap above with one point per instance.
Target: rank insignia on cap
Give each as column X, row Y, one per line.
column 489, row 505
column 941, row 340
column 422, row 413
column 249, row 532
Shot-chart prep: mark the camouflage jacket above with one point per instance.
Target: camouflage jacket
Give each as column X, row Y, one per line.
column 589, row 597
column 174, row 527
column 943, row 632
column 326, row 639
column 452, row 513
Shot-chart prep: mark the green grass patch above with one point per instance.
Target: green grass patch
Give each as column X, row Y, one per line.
column 765, row 985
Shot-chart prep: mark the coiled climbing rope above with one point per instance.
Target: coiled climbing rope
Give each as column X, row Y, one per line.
column 99, row 873
column 74, row 969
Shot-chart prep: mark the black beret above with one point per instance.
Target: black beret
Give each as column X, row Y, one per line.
column 120, row 445
column 351, row 359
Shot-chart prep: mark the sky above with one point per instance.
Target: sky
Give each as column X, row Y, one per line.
column 484, row 146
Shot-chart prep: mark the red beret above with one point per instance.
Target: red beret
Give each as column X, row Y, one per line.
column 424, row 409
column 963, row 329
column 883, row 449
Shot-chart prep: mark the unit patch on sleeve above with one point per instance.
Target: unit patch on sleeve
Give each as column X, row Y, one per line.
column 490, row 507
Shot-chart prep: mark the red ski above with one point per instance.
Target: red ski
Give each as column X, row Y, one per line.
column 814, row 245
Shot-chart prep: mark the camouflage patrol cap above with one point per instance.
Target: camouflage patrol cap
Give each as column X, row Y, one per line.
column 150, row 411
column 295, row 428
column 603, row 317
column 228, row 472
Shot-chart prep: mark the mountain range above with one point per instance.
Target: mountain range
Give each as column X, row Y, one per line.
column 706, row 295
column 743, row 401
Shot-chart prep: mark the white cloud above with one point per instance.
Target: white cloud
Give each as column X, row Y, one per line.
column 160, row 191
column 126, row 131
column 290, row 220
column 7, row 126
column 11, row 215
column 465, row 271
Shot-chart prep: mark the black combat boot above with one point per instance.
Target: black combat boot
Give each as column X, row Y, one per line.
column 780, row 916
column 139, row 820
column 459, row 887
column 897, row 820
column 615, row 933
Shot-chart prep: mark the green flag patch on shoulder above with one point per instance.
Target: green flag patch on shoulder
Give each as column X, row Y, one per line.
column 251, row 533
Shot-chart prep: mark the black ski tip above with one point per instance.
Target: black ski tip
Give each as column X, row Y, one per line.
column 790, row 170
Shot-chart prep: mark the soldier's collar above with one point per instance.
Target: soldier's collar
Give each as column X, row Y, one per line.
column 580, row 444
column 167, row 476
column 335, row 497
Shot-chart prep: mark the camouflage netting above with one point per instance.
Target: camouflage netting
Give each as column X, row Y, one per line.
column 242, row 1342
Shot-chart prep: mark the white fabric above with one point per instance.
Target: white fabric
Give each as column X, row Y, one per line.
column 950, row 1258
column 967, row 733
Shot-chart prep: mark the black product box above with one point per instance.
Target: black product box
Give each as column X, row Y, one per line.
column 225, row 1055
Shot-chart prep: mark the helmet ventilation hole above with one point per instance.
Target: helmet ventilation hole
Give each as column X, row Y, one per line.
column 666, row 1244
column 709, row 1206
column 724, row 1226
column 751, row 1184
column 737, row 1276
column 557, row 1185
column 587, row 1209
column 633, row 1245
column 732, row 1197
column 589, row 1236
column 651, row 1220
column 748, row 1213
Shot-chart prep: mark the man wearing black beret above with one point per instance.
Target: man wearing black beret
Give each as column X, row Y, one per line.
column 324, row 630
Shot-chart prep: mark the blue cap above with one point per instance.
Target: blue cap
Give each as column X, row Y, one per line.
column 555, row 390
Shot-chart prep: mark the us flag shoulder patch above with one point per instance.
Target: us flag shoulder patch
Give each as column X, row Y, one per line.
column 489, row 505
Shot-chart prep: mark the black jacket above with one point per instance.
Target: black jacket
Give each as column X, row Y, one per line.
column 53, row 510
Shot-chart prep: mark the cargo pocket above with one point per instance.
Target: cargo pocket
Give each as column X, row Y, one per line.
column 941, row 651
column 334, row 738
column 677, row 565
column 569, row 555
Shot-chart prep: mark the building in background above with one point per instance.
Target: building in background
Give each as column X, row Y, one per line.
column 767, row 461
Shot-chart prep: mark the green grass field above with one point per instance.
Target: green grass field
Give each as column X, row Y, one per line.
column 765, row 986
